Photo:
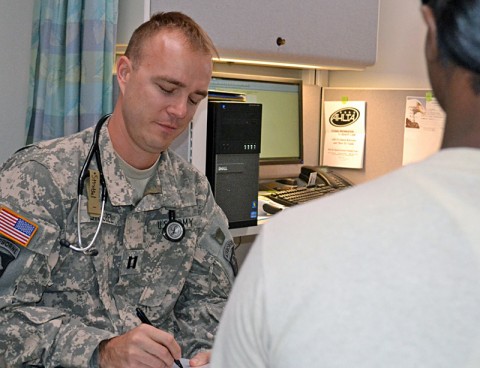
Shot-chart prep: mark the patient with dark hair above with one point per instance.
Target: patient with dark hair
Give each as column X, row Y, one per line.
column 387, row 273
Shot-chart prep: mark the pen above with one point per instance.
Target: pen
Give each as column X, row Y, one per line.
column 143, row 317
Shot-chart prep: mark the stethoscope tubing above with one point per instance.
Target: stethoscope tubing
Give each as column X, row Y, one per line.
column 84, row 174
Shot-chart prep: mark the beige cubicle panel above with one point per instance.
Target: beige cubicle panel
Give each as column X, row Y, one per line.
column 385, row 125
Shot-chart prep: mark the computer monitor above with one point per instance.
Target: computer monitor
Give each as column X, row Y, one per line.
column 281, row 99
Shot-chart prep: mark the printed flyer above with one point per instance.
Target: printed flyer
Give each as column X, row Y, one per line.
column 424, row 126
column 344, row 143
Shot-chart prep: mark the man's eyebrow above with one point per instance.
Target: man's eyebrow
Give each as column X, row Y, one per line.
column 171, row 81
column 202, row 93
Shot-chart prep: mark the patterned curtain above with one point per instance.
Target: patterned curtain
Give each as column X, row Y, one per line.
column 73, row 46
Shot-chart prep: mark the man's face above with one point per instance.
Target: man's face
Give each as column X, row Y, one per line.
column 161, row 92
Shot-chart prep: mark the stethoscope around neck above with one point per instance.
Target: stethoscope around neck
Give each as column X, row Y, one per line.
column 84, row 174
column 172, row 231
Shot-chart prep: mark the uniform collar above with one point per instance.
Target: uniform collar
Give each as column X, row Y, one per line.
column 163, row 188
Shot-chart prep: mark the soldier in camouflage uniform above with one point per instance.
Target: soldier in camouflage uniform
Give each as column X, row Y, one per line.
column 61, row 307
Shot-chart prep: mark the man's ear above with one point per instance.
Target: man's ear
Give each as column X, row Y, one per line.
column 124, row 68
column 431, row 45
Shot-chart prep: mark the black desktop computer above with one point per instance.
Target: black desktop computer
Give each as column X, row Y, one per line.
column 232, row 162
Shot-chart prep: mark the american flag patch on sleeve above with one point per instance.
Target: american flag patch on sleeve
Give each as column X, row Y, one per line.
column 16, row 227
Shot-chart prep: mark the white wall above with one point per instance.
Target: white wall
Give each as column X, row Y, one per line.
column 130, row 15
column 400, row 57
column 15, row 36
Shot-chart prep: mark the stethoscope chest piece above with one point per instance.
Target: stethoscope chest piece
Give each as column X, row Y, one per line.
column 174, row 230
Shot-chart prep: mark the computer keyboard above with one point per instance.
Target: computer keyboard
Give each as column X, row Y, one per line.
column 291, row 197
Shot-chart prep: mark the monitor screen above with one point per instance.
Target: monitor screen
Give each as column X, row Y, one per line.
column 281, row 99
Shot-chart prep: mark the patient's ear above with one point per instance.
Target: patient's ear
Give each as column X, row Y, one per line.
column 431, row 45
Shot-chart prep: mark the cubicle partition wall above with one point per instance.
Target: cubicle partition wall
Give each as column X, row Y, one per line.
column 384, row 124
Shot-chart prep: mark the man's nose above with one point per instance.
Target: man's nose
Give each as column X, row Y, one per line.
column 178, row 107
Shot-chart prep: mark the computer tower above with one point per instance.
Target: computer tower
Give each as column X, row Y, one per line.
column 232, row 162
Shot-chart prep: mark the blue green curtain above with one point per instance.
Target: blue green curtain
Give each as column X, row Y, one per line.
column 73, row 51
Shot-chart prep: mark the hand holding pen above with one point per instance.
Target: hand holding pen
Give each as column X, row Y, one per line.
column 141, row 346
column 142, row 316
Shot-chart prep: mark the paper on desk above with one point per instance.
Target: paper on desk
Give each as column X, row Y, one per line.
column 187, row 365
